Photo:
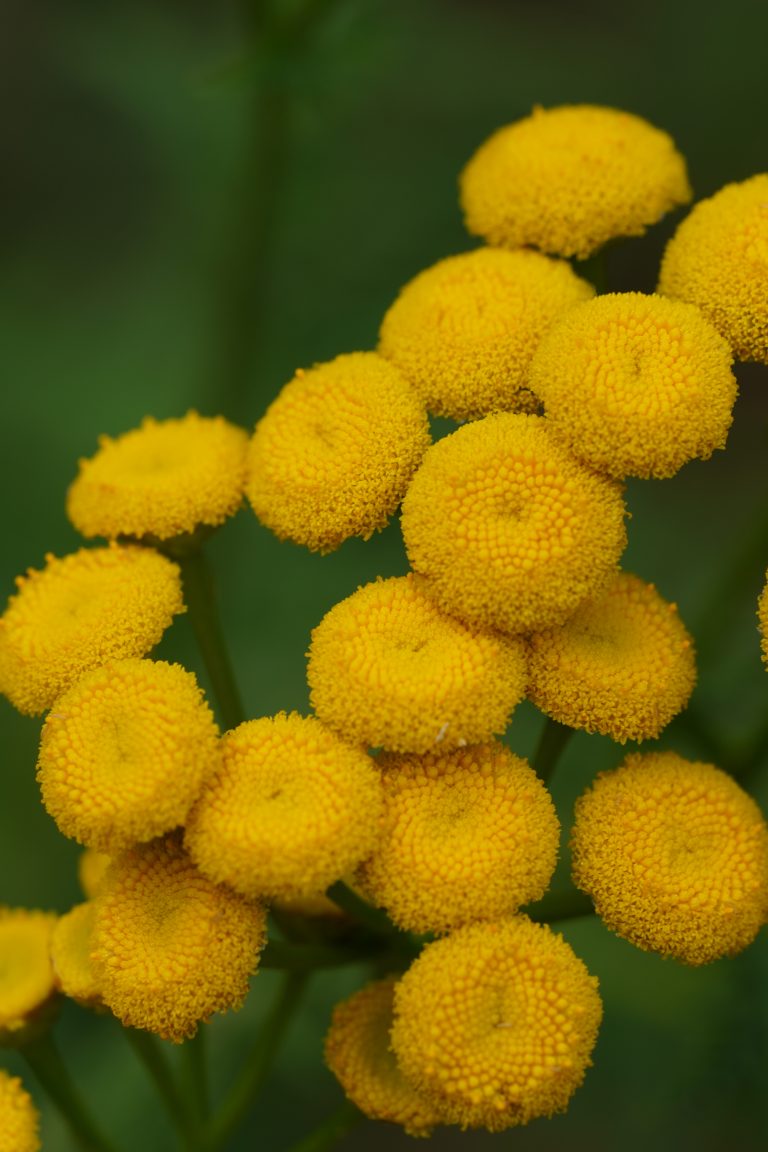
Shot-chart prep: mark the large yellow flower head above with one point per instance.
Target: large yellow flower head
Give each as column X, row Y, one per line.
column 291, row 810
column 19, row 1119
column 124, row 754
column 718, row 260
column 334, row 453
column 622, row 665
column 170, row 947
column 161, row 479
column 71, row 947
column 467, row 835
column 79, row 612
column 464, row 331
column 388, row 669
column 495, row 1023
column 509, row 530
column 26, row 975
column 569, row 179
column 674, row 855
column 636, row 385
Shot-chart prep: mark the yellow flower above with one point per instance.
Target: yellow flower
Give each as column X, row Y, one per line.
column 674, row 855
column 71, row 947
column 622, row 665
column 334, row 453
column 160, row 480
column 464, row 331
column 568, row 179
column 509, row 530
column 79, row 612
column 26, row 976
column 495, row 1023
column 291, row 810
column 125, row 753
column 636, row 385
column 718, row 260
column 762, row 619
column 19, row 1119
column 467, row 835
column 92, row 867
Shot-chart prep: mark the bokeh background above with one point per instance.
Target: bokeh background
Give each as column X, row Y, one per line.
column 194, row 202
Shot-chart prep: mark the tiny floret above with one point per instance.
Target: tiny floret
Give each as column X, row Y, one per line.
column 19, row 1119
column 26, row 975
column 71, row 947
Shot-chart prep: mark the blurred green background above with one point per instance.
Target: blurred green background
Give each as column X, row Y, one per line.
column 194, row 203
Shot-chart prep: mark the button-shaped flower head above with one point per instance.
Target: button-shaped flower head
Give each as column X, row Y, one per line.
column 26, row 975
column 71, row 947
column 19, row 1119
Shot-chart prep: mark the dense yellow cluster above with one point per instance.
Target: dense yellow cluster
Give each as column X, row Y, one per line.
column 19, row 1119
column 71, row 948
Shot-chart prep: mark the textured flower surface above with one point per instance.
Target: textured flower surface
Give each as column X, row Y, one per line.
column 71, row 947
column 26, row 975
column 19, row 1119
column 762, row 619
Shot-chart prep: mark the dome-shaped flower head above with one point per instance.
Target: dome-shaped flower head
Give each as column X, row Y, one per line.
column 92, row 867
column 495, row 1023
column 623, row 664
column 19, row 1119
column 510, row 531
column 569, row 179
column 79, row 612
column 464, row 331
column 334, row 453
column 636, row 385
column 170, row 947
column 71, row 947
column 291, row 810
column 466, row 835
column 718, row 260
column 26, row 975
column 163, row 479
column 124, row 754
column 389, row 669
column 674, row 855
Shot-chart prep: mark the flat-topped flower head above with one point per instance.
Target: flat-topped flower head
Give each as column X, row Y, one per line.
column 718, row 260
column 335, row 452
column 19, row 1119
column 464, row 331
column 674, row 855
column 636, row 385
column 466, row 835
column 495, row 1024
column 79, row 612
column 125, row 752
column 509, row 530
column 623, row 664
column 569, row 179
column 92, row 867
column 71, row 947
column 26, row 975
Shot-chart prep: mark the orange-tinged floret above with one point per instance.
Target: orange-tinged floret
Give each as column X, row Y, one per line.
column 71, row 947
column 26, row 975
column 19, row 1119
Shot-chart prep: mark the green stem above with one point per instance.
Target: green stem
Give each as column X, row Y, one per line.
column 553, row 739
column 566, row 904
column 196, row 1068
column 147, row 1048
column 45, row 1060
column 331, row 1130
column 360, row 910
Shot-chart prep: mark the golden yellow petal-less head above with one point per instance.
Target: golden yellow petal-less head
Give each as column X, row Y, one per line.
column 92, row 867
column 71, row 947
column 19, row 1118
column 26, row 975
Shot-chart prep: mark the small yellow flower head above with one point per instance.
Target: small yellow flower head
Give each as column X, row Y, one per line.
column 92, row 606
column 170, row 947
column 467, row 835
column 71, row 947
column 19, row 1119
column 125, row 752
column 636, row 385
column 92, row 867
column 464, row 331
column 509, row 530
column 26, row 975
column 569, row 179
column 718, row 260
column 291, row 810
column 495, row 1023
column 622, row 665
column 334, row 453
column 161, row 479
column 762, row 619
column 674, row 855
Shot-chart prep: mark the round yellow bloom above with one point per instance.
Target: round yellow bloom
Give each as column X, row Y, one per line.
column 79, row 612
column 71, row 946
column 718, row 260
column 124, row 755
column 622, row 665
column 19, row 1119
column 495, row 1023
column 26, row 976
column 636, row 385
column 509, row 530
column 674, row 855
column 170, row 947
column 464, row 331
column 291, row 810
column 92, row 867
column 467, row 835
column 334, row 453
column 569, row 179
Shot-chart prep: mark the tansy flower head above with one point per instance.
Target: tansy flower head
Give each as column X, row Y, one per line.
column 79, row 612
column 26, row 976
column 334, row 453
column 19, row 1119
column 495, row 1023
column 636, row 385
column 623, row 664
column 71, row 946
column 674, row 856
column 92, row 867
column 718, row 260
column 510, row 531
column 467, row 835
column 464, row 331
column 568, row 179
